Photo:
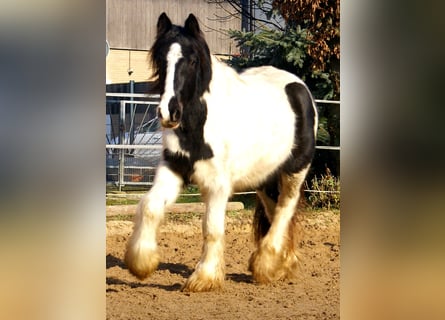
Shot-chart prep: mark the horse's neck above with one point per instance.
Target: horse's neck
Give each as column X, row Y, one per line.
column 222, row 74
column 215, row 61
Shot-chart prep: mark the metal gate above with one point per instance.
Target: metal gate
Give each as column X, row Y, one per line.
column 133, row 138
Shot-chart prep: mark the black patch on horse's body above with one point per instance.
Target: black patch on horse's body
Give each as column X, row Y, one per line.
column 191, row 139
column 184, row 165
column 303, row 151
column 179, row 163
column 191, row 130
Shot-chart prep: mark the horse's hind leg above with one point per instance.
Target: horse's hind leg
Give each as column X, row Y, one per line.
column 142, row 257
column 276, row 257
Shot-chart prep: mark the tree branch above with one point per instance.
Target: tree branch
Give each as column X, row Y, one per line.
column 236, row 5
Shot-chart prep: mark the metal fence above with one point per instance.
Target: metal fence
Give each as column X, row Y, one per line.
column 134, row 138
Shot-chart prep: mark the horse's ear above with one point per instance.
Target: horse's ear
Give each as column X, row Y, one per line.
column 191, row 26
column 164, row 24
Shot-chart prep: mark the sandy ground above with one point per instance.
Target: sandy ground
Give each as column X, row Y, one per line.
column 314, row 294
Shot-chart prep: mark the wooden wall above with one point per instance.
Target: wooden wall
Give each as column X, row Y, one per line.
column 119, row 61
column 131, row 24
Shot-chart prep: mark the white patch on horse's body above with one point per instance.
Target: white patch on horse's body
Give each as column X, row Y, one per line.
column 173, row 56
column 170, row 142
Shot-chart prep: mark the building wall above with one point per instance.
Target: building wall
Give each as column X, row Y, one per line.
column 131, row 30
column 118, row 62
column 131, row 24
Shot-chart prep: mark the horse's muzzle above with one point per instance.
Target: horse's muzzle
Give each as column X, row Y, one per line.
column 173, row 119
column 168, row 123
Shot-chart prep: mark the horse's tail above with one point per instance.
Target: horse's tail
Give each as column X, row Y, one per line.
column 261, row 223
column 267, row 195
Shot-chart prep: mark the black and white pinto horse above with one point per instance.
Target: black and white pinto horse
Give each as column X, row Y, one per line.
column 226, row 131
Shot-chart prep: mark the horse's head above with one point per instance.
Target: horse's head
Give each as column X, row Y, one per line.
column 181, row 62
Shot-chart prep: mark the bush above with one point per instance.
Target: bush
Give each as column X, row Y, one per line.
column 327, row 192
column 286, row 50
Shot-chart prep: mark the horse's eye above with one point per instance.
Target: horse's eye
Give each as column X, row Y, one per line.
column 193, row 61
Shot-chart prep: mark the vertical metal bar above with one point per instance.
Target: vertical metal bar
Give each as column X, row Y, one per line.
column 121, row 141
column 132, row 112
column 252, row 15
column 244, row 16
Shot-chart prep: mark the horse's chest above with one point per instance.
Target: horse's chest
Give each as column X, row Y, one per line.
column 171, row 142
column 182, row 151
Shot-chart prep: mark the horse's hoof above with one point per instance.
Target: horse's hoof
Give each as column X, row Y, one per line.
column 202, row 283
column 263, row 266
column 141, row 263
column 267, row 265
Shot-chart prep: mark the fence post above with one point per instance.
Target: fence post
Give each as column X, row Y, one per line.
column 132, row 112
column 121, row 141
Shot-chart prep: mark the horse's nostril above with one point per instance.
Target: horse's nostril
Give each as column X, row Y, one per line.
column 176, row 115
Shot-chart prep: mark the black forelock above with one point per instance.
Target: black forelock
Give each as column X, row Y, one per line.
column 189, row 45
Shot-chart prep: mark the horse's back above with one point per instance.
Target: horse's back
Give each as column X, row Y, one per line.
column 269, row 75
column 265, row 71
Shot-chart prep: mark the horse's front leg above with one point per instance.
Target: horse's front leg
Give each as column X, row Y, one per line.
column 142, row 257
column 209, row 272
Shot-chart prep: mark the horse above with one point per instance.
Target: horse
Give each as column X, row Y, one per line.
column 225, row 131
